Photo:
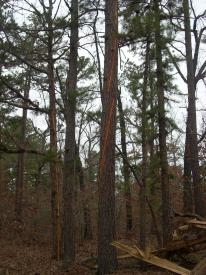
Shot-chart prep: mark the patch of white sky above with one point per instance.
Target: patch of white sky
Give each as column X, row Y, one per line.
column 86, row 49
column 178, row 108
column 24, row 10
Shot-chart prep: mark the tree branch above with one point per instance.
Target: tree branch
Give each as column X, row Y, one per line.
column 35, row 106
column 6, row 150
column 176, row 66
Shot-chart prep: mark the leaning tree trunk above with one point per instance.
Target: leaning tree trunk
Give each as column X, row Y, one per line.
column 166, row 205
column 69, row 177
column 191, row 129
column 21, row 157
column 126, row 172
column 106, row 177
column 54, row 175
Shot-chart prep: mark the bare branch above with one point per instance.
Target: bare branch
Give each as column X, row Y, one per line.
column 201, row 72
column 176, row 66
column 17, row 92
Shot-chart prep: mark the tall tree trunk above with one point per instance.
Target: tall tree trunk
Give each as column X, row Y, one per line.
column 126, row 172
column 106, row 177
column 54, row 177
column 38, row 184
column 144, row 151
column 152, row 151
column 21, row 157
column 69, row 177
column 97, row 51
column 187, row 177
column 191, row 129
column 85, row 204
column 166, row 204
column 2, row 185
column 2, row 172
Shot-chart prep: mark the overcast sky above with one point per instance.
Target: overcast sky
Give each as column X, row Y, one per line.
column 179, row 112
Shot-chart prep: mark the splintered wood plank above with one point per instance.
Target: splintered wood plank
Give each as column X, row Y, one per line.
column 151, row 259
column 194, row 221
column 126, row 256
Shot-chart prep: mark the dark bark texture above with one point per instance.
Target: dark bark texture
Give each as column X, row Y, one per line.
column 187, row 179
column 126, row 172
column 191, row 129
column 85, row 202
column 54, row 163
column 144, row 151
column 21, row 157
column 69, row 175
column 166, row 204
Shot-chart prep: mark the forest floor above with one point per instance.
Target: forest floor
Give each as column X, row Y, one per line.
column 20, row 257
column 25, row 249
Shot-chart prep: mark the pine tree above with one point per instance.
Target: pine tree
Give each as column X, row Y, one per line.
column 70, row 143
column 191, row 129
column 106, row 177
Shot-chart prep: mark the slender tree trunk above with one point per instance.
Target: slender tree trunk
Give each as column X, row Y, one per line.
column 21, row 157
column 126, row 172
column 191, row 129
column 166, row 204
column 2, row 172
column 154, row 179
column 106, row 177
column 69, row 177
column 85, row 204
column 152, row 151
column 38, row 184
column 91, row 182
column 1, row 176
column 54, row 177
column 97, row 52
column 144, row 151
column 187, row 177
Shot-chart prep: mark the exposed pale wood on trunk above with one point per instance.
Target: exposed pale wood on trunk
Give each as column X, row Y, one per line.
column 106, row 177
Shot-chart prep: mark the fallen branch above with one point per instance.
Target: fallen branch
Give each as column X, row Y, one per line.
column 188, row 215
column 180, row 244
column 148, row 257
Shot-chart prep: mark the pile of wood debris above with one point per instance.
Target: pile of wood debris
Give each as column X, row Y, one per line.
column 188, row 238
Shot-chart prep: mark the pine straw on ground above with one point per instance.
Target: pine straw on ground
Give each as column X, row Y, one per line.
column 18, row 258
column 26, row 258
column 24, row 251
